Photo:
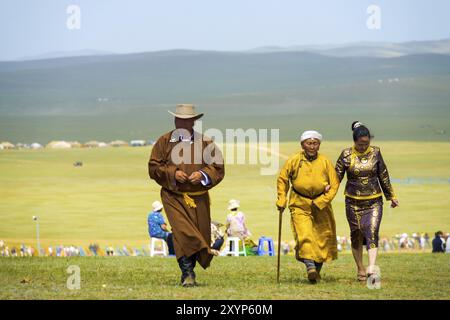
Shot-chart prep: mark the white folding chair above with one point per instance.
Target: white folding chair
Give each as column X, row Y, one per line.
column 153, row 247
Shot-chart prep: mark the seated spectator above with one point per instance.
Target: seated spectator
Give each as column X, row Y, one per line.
column 236, row 221
column 427, row 240
column 422, row 241
column 403, row 242
column 285, row 248
column 438, row 243
column 125, row 250
column 157, row 227
column 93, row 247
column 217, row 236
column 2, row 248
column 339, row 243
column 385, row 245
column 109, row 251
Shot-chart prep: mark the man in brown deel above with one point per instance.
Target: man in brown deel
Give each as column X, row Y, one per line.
column 187, row 164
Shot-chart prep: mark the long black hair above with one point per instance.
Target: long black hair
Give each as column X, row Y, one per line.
column 360, row 130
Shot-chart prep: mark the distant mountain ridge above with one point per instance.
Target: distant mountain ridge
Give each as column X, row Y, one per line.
column 127, row 96
column 368, row 49
column 355, row 49
column 85, row 84
column 66, row 54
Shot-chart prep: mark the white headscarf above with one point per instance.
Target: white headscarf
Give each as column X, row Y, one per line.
column 310, row 134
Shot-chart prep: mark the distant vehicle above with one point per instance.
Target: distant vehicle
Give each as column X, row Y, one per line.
column 137, row 143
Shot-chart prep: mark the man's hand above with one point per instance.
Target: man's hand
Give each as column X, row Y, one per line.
column 327, row 188
column 394, row 203
column 181, row 176
column 195, row 177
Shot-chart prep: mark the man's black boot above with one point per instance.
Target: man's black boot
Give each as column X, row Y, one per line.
column 187, row 271
column 193, row 261
column 184, row 265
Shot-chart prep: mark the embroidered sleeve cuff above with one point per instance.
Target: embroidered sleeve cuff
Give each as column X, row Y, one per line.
column 206, row 180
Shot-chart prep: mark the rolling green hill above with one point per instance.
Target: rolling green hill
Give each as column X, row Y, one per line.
column 126, row 96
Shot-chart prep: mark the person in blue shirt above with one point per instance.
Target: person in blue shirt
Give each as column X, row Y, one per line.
column 157, row 227
column 438, row 242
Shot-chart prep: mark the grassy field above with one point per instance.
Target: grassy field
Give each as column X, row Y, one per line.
column 404, row 276
column 107, row 200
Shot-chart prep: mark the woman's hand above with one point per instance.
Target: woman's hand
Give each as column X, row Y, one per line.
column 394, row 203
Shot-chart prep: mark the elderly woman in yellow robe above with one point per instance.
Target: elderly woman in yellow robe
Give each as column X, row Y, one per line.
column 314, row 184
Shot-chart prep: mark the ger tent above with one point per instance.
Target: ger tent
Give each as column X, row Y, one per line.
column 118, row 143
column 36, row 145
column 58, row 145
column 7, row 145
column 91, row 144
column 75, row 144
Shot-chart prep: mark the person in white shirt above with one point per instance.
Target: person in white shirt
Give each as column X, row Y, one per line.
column 447, row 245
column 236, row 226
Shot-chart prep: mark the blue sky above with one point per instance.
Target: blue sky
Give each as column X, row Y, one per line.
column 30, row 28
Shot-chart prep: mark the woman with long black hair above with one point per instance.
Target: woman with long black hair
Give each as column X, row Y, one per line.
column 367, row 180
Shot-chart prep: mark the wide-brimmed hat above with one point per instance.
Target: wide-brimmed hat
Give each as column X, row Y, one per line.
column 233, row 204
column 157, row 206
column 186, row 111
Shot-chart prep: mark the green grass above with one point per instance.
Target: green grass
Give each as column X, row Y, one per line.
column 404, row 276
column 107, row 200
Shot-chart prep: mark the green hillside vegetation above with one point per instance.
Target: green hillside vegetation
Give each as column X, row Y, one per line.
column 126, row 96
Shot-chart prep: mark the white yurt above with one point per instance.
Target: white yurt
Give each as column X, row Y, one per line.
column 36, row 145
column 7, row 145
column 58, row 145
column 75, row 144
column 91, row 144
column 118, row 143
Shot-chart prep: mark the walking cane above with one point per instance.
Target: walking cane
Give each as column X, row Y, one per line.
column 279, row 243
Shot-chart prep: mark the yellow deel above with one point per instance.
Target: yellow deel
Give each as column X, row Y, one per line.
column 312, row 221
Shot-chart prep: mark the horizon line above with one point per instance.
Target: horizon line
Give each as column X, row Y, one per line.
column 294, row 47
